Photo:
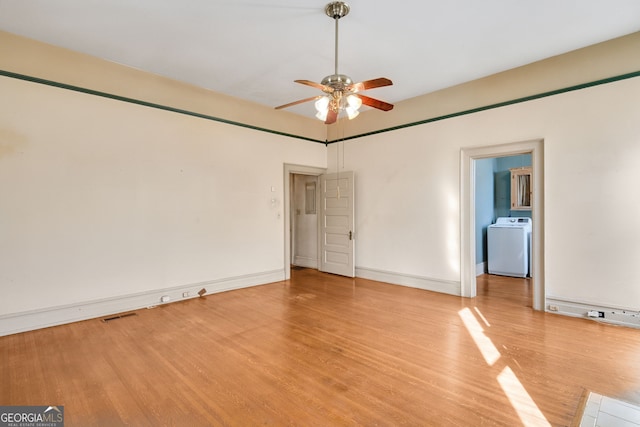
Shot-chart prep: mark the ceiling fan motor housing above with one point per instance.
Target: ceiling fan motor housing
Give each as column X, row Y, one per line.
column 337, row 82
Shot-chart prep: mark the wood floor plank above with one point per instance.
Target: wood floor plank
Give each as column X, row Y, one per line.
column 326, row 350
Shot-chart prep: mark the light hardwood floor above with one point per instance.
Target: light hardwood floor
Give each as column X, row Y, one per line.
column 322, row 350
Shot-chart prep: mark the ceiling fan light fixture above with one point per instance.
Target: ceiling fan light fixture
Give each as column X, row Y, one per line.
column 322, row 103
column 322, row 107
column 352, row 113
column 354, row 102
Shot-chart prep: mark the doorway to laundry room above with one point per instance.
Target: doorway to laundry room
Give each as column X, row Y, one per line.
column 503, row 227
column 502, row 196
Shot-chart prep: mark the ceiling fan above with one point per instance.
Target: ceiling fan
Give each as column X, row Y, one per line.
column 340, row 92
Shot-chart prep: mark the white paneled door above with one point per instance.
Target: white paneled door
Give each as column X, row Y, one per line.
column 337, row 224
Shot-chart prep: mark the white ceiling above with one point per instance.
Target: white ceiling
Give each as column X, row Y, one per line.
column 254, row 49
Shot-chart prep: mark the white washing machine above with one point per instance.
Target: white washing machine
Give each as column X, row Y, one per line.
column 509, row 247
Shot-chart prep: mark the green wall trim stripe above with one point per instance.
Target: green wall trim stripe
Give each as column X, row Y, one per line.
column 149, row 104
column 390, row 129
column 498, row 105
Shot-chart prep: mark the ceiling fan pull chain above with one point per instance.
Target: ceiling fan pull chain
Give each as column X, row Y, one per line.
column 338, row 162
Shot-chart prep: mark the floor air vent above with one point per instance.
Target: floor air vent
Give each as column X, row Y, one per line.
column 118, row 316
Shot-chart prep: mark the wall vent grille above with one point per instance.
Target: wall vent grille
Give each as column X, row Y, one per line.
column 118, row 316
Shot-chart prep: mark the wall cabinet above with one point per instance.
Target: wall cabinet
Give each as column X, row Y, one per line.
column 521, row 189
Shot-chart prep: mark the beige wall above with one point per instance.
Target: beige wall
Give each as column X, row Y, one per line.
column 601, row 61
column 408, row 193
column 107, row 205
column 31, row 58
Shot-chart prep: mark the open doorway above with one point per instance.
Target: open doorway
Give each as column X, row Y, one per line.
column 493, row 193
column 469, row 232
column 301, row 233
column 334, row 216
column 502, row 267
column 304, row 221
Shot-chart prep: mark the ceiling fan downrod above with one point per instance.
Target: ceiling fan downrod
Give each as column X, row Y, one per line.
column 336, row 10
column 337, row 82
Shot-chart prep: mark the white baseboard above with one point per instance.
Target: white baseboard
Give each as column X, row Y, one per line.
column 613, row 315
column 426, row 283
column 481, row 268
column 44, row 318
column 305, row 262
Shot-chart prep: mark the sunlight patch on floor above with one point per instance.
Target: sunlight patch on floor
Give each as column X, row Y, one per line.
column 486, row 322
column 520, row 399
column 484, row 344
column 527, row 410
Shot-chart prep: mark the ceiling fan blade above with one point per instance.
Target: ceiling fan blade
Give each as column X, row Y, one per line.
column 371, row 84
column 332, row 117
column 291, row 104
column 316, row 85
column 375, row 103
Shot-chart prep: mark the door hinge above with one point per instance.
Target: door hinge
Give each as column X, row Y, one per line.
column 350, row 235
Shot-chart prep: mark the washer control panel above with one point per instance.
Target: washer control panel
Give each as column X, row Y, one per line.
column 520, row 221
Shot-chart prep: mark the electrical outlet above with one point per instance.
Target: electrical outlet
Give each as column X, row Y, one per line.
column 553, row 308
column 185, row 294
column 165, row 298
column 596, row 314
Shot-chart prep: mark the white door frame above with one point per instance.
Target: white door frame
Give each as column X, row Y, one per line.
column 468, row 156
column 290, row 169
